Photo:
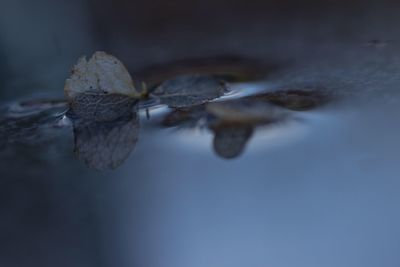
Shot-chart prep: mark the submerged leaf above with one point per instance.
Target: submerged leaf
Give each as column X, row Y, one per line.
column 102, row 99
column 247, row 111
column 105, row 145
column 231, row 139
column 189, row 90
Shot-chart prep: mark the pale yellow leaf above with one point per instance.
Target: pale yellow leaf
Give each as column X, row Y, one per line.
column 103, row 73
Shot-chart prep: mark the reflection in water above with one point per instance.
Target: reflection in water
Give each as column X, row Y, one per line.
column 105, row 133
column 248, row 201
column 29, row 122
column 106, row 126
column 230, row 140
column 101, row 107
column 234, row 121
column 103, row 102
column 105, row 137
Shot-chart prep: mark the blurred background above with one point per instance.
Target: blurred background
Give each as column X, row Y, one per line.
column 41, row 40
column 328, row 197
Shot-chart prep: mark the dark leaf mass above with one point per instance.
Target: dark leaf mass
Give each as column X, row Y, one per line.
column 105, row 145
column 189, row 90
column 230, row 140
column 101, row 107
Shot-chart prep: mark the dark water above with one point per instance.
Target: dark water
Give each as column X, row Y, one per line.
column 318, row 189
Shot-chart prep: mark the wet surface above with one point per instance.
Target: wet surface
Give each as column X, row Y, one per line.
column 221, row 183
column 254, row 177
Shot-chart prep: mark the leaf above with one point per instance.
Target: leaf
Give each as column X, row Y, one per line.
column 189, row 90
column 103, row 73
column 100, row 89
column 246, row 111
column 105, row 145
column 230, row 140
column 102, row 107
column 102, row 100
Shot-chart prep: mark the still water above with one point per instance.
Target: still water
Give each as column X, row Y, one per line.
column 318, row 189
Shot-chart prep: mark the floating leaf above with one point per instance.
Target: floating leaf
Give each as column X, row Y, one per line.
column 103, row 73
column 230, row 139
column 100, row 89
column 105, row 145
column 247, row 111
column 189, row 90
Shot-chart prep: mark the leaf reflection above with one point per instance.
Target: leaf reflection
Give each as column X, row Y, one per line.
column 230, row 139
column 105, row 144
column 233, row 122
column 103, row 102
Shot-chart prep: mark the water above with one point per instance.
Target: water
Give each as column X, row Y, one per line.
column 318, row 189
